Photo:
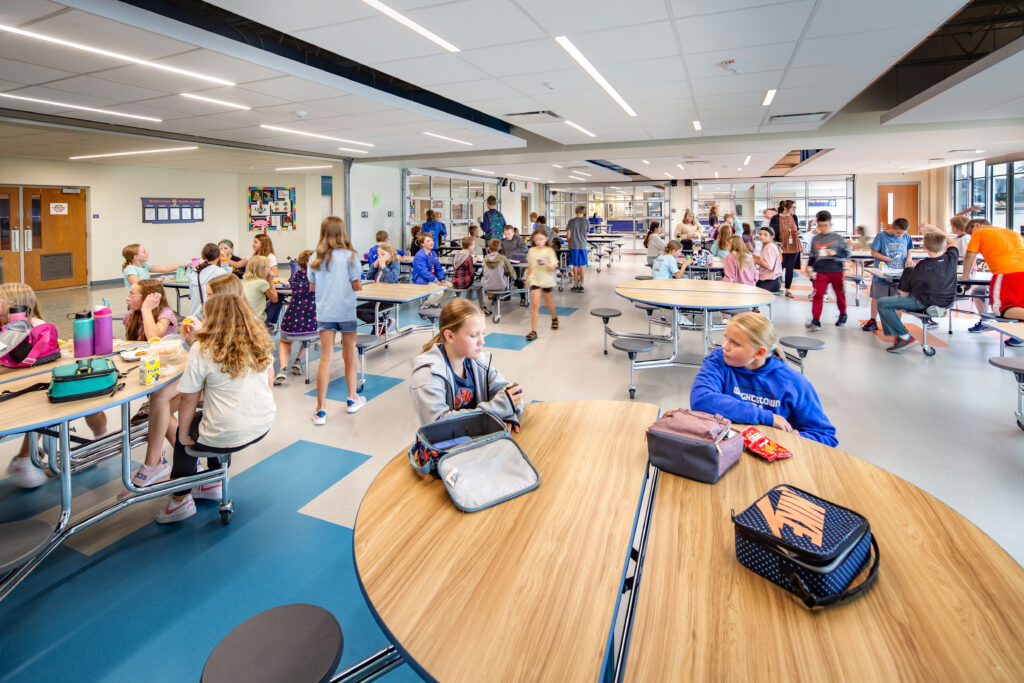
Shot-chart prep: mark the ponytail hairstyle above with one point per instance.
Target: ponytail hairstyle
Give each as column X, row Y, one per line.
column 454, row 314
column 430, row 215
column 133, row 326
column 333, row 235
column 759, row 331
column 129, row 252
column 738, row 248
column 210, row 252
column 785, row 204
column 724, row 235
column 266, row 245
column 650, row 231
column 673, row 246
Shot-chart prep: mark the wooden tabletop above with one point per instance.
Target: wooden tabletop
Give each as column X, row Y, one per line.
column 948, row 604
column 523, row 591
column 67, row 355
column 34, row 410
column 709, row 294
column 1015, row 330
column 894, row 275
column 394, row 291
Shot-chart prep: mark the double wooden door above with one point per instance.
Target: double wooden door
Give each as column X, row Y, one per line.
column 43, row 237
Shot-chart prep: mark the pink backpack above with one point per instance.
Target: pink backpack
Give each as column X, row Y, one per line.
column 24, row 346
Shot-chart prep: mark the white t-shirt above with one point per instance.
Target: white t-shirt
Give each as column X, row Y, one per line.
column 235, row 411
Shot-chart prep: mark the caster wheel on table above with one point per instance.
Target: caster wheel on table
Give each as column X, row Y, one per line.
column 560, row 288
column 632, row 393
column 606, row 352
column 359, row 388
column 225, row 517
column 928, row 350
column 496, row 319
column 1020, row 423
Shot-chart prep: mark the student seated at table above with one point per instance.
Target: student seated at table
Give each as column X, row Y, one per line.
column 769, row 261
column 137, row 266
column 262, row 245
column 44, row 340
column 667, row 266
column 454, row 374
column 229, row 260
column 1003, row 251
column 739, row 264
column 382, row 238
column 498, row 273
column 930, row 282
column 479, row 243
column 512, row 245
column 201, row 276
column 720, row 247
column 414, row 241
column 749, row 382
column 426, row 268
column 654, row 242
column 385, row 265
column 231, row 366
column 464, row 272
column 258, row 285
column 299, row 319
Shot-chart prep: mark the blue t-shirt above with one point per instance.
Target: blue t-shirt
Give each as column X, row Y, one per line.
column 895, row 248
column 371, row 255
column 665, row 267
column 435, row 229
column 335, row 299
column 465, row 387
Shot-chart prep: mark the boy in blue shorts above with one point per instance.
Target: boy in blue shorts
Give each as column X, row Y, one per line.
column 576, row 231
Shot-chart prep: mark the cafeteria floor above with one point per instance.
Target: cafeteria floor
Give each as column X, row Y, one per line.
column 128, row 598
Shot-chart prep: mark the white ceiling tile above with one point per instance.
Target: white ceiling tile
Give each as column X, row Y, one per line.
column 757, row 59
column 29, row 74
column 233, row 95
column 852, row 72
column 562, row 80
column 102, row 88
column 370, row 41
column 652, row 92
column 475, row 23
column 645, row 71
column 743, row 100
column 841, row 17
column 100, row 32
column 349, row 104
column 9, row 85
column 510, row 105
column 891, row 43
column 16, row 12
column 47, row 93
column 291, row 88
column 44, row 54
column 573, row 17
column 756, row 26
column 219, row 65
column 287, row 111
column 644, row 41
column 433, row 70
column 736, row 83
column 481, row 90
column 146, row 77
column 530, row 57
column 686, row 8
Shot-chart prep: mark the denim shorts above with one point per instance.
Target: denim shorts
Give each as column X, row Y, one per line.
column 347, row 326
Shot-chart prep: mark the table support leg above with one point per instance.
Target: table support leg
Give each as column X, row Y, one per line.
column 372, row 667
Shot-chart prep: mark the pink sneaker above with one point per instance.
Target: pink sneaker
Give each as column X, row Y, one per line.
column 147, row 476
column 210, row 491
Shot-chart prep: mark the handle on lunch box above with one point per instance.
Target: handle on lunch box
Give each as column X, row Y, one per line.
column 812, row 600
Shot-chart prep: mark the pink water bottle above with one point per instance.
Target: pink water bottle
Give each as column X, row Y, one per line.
column 16, row 313
column 103, row 332
column 82, row 333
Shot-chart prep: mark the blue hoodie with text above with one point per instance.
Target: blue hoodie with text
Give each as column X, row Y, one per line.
column 756, row 396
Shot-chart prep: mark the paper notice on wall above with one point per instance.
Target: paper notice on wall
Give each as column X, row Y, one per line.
column 149, row 214
column 186, row 213
column 197, row 213
column 58, row 209
column 175, row 213
column 161, row 213
column 891, row 209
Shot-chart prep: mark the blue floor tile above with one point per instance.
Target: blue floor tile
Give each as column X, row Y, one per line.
column 154, row 604
column 19, row 503
column 560, row 311
column 510, row 342
column 375, row 385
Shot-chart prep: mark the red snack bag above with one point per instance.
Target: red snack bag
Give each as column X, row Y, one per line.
column 759, row 444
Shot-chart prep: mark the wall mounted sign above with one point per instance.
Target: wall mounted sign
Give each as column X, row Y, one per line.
column 172, row 210
column 272, row 208
column 58, row 209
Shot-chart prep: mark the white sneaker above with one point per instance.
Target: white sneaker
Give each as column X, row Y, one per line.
column 296, row 368
column 354, row 406
column 210, row 491
column 320, row 417
column 147, row 475
column 175, row 511
column 25, row 474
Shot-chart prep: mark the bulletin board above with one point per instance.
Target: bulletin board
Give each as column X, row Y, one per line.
column 272, row 208
column 172, row 210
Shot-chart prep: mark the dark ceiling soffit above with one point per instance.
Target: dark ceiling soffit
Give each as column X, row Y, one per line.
column 29, row 118
column 227, row 24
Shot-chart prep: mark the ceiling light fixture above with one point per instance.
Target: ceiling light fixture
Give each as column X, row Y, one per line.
column 114, row 55
column 65, row 105
column 579, row 128
column 480, row 170
column 582, row 173
column 556, row 165
column 739, row 169
column 126, row 154
column 524, row 177
column 668, row 174
column 594, row 73
column 355, row 151
column 716, row 174
column 747, row 160
column 696, row 125
column 444, row 137
column 315, row 135
column 213, row 101
column 646, row 162
column 578, row 178
column 768, row 97
column 410, row 24
column 681, row 167
column 301, row 168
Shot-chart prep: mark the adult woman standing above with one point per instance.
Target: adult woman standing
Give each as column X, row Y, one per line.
column 713, row 220
column 784, row 224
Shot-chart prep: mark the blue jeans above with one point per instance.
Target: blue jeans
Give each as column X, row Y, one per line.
column 887, row 307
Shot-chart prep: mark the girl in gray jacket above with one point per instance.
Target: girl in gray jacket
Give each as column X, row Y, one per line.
column 453, row 373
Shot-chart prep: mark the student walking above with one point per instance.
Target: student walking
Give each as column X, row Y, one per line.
column 828, row 254
column 540, row 276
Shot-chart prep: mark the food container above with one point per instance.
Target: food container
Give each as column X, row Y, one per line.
column 168, row 350
column 149, row 370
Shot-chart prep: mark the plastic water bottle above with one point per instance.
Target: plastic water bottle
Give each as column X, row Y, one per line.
column 82, row 333
column 17, row 313
column 103, row 332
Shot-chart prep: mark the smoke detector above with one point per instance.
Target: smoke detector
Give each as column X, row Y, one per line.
column 734, row 66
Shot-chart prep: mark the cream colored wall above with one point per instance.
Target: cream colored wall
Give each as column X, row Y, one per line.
column 934, row 196
column 511, row 206
column 368, row 179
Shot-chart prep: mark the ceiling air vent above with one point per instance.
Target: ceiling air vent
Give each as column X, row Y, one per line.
column 534, row 116
column 812, row 117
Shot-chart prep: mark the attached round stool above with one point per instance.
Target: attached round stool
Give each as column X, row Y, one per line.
column 289, row 643
column 925, row 318
column 1016, row 366
column 643, row 277
column 363, row 343
column 430, row 314
column 632, row 347
column 605, row 314
column 802, row 346
column 21, row 541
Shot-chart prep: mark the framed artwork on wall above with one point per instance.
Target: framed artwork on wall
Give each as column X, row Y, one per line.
column 272, row 208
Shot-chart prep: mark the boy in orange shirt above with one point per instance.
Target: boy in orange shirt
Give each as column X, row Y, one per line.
column 1003, row 251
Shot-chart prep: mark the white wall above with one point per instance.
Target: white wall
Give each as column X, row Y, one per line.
column 368, row 179
column 680, row 199
column 934, row 196
column 511, row 206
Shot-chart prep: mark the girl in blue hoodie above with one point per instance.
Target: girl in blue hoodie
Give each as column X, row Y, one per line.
column 748, row 381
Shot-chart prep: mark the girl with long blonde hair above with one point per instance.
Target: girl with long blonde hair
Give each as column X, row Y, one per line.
column 258, row 285
column 739, row 264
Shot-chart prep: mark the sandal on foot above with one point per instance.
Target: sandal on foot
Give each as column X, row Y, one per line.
column 532, row 335
column 789, row 294
column 554, row 323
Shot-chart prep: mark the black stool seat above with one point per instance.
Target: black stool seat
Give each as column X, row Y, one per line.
column 430, row 313
column 802, row 343
column 605, row 312
column 365, row 340
column 1014, row 364
column 643, row 277
column 633, row 345
column 288, row 643
column 647, row 307
column 21, row 541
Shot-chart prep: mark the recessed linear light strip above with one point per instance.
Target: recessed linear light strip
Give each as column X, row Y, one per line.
column 524, row 177
column 747, row 160
column 114, row 55
column 301, row 168
column 410, row 24
column 480, row 170
column 582, row 173
column 580, row 128
column 316, row 135
column 556, row 165
column 213, row 101
column 126, row 154
column 445, row 137
column 356, row 151
column 768, row 97
column 696, row 125
column 65, row 105
column 667, row 174
column 593, row 73
column 574, row 177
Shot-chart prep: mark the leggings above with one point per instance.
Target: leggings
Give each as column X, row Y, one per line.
column 790, row 262
column 185, row 465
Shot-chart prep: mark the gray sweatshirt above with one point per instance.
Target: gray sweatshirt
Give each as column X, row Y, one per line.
column 822, row 263
column 433, row 388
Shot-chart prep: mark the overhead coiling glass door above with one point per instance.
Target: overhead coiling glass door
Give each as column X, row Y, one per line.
column 625, row 208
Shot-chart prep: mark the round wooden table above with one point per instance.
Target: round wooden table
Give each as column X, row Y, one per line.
column 948, row 603
column 526, row 590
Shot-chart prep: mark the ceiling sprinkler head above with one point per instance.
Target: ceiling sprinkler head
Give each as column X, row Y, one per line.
column 301, row 114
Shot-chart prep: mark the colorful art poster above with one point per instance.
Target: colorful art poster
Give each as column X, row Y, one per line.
column 271, row 208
